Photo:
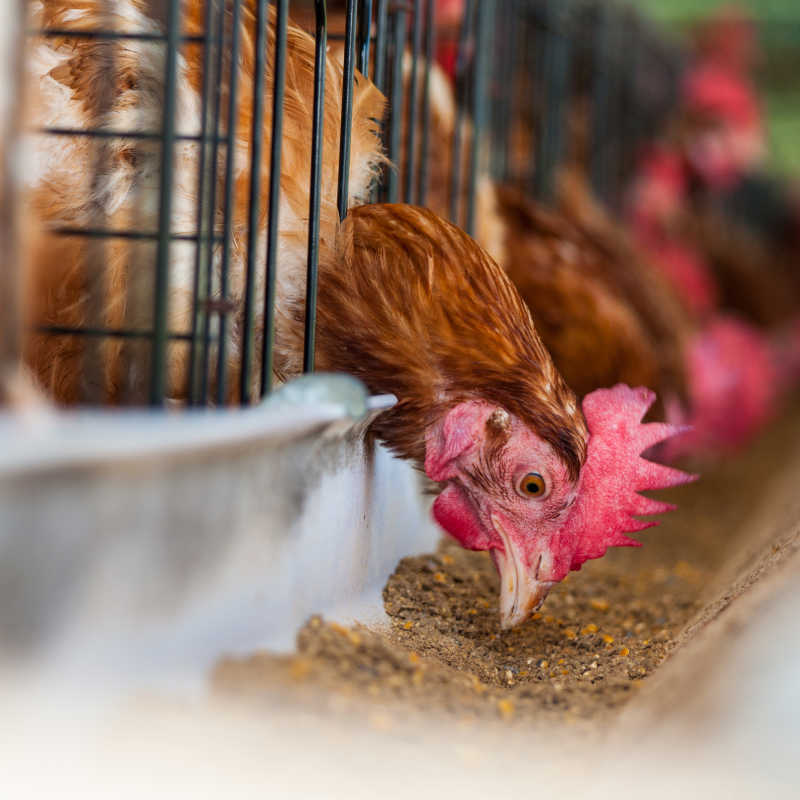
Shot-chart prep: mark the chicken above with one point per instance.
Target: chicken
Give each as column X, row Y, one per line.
column 414, row 307
column 749, row 233
column 724, row 232
column 75, row 285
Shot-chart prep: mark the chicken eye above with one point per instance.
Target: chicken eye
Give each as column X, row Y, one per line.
column 532, row 485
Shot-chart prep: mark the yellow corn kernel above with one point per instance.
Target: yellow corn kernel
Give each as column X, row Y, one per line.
column 570, row 633
column 439, row 577
column 408, row 625
column 599, row 604
column 608, row 639
column 413, row 658
column 446, row 559
column 590, row 628
column 624, row 651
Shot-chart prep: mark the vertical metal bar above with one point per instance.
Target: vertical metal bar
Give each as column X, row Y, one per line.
column 627, row 66
column 411, row 133
column 504, row 56
column 213, row 8
column 158, row 364
column 543, row 67
column 534, row 57
column 551, row 144
column 381, row 35
column 483, row 41
column 343, row 194
column 521, row 103
column 430, row 54
column 254, row 200
column 316, row 171
column 544, row 33
column 227, row 213
column 212, row 204
column 599, row 166
column 364, row 35
column 461, row 71
column 11, row 266
column 396, row 119
column 613, row 139
column 278, row 83
column 379, row 76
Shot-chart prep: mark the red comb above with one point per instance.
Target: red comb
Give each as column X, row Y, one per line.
column 710, row 89
column 608, row 500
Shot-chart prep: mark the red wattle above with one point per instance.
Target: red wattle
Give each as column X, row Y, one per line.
column 456, row 515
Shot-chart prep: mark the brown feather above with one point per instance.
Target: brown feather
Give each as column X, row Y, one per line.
column 415, row 307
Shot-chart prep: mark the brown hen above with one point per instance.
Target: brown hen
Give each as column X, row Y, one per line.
column 70, row 74
column 414, row 307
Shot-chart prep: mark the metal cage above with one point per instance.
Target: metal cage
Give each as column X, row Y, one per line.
column 518, row 64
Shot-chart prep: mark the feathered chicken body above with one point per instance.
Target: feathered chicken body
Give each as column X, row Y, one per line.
column 71, row 75
column 414, row 307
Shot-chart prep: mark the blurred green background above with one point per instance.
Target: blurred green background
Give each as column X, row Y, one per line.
column 779, row 73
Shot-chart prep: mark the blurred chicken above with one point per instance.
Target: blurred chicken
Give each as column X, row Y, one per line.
column 726, row 236
column 603, row 313
column 80, row 283
column 717, row 376
column 414, row 307
column 723, row 231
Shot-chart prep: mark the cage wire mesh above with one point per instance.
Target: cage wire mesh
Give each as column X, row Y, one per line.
column 536, row 83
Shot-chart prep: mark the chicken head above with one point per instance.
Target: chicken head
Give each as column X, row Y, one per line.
column 506, row 490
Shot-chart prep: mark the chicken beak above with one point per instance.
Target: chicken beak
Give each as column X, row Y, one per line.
column 521, row 591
